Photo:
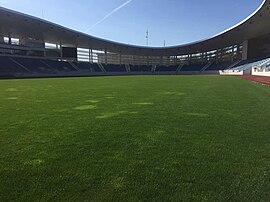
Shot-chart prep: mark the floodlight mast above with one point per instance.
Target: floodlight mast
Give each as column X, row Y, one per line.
column 147, row 37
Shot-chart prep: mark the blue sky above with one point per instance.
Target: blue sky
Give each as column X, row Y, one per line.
column 175, row 21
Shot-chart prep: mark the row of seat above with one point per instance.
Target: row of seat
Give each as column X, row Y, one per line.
column 23, row 65
column 250, row 64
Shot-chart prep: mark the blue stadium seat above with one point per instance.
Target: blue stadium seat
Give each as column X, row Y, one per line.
column 84, row 66
column 166, row 68
column 34, row 65
column 7, row 66
column 219, row 66
column 140, row 68
column 60, row 65
column 193, row 67
column 114, row 68
column 248, row 65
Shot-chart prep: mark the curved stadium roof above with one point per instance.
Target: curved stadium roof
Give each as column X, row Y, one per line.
column 21, row 25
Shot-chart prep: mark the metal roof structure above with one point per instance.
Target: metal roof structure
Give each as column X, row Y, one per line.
column 16, row 24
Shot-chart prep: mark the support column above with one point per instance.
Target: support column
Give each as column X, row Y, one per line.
column 91, row 55
column 77, row 59
column 189, row 59
column 61, row 52
column 217, row 56
column 106, row 57
column 221, row 54
column 1, row 39
column 245, row 50
column 239, row 55
column 207, row 56
column 44, row 53
column 9, row 39
column 232, row 56
column 202, row 58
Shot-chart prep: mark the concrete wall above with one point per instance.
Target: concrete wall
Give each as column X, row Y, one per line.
column 247, row 71
column 260, row 73
column 259, row 47
column 92, row 74
column 231, row 73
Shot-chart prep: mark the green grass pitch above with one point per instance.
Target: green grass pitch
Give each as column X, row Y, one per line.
column 147, row 138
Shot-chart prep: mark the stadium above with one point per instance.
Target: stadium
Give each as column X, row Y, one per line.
column 32, row 47
column 89, row 119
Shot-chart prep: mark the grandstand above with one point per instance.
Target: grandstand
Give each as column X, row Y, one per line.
column 33, row 47
column 248, row 67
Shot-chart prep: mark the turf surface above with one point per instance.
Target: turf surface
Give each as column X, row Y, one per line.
column 169, row 138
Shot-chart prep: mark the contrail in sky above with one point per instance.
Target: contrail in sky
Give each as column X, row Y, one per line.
column 109, row 15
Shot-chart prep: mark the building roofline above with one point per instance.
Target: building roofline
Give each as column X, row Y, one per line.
column 235, row 34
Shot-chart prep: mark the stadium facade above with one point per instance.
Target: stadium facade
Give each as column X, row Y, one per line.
column 33, row 46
